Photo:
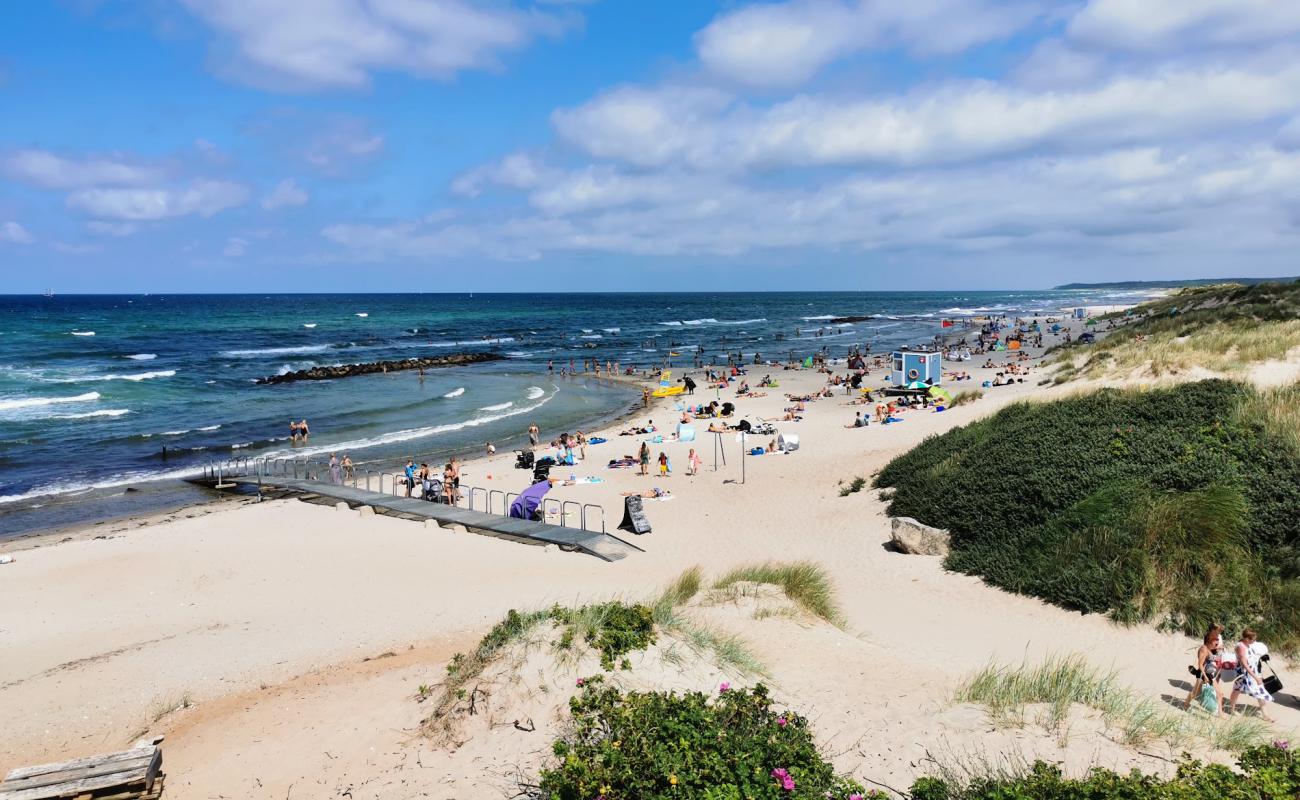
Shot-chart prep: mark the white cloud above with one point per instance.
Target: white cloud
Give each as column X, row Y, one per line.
column 342, row 145
column 785, row 44
column 1182, row 24
column 286, row 193
column 14, row 233
column 948, row 123
column 235, row 247
column 117, row 229
column 1180, row 204
column 646, row 126
column 51, row 171
column 515, row 171
column 202, row 197
column 311, row 44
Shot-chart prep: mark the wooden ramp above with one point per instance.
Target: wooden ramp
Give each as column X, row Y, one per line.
column 134, row 774
column 600, row 545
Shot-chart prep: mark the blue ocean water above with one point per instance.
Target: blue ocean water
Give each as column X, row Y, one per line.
column 102, row 393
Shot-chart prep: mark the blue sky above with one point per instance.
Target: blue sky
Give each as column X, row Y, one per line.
column 448, row 145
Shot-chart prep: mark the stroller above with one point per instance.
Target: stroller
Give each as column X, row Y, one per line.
column 433, row 491
column 523, row 459
column 763, row 428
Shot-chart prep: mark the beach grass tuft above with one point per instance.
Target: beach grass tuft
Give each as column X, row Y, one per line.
column 1225, row 329
column 853, row 487
column 966, row 397
column 1060, row 683
column 803, row 582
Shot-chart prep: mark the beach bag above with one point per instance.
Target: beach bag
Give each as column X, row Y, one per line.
column 1208, row 699
column 1272, row 684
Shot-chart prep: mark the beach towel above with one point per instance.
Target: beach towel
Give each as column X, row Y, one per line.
column 597, row 440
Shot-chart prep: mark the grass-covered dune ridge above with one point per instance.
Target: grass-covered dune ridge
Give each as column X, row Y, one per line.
column 1226, row 329
column 1178, row 504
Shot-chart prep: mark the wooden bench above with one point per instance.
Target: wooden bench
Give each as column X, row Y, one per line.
column 134, row 774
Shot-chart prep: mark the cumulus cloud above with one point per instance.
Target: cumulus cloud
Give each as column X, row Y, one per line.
column 49, row 170
column 286, row 193
column 312, row 44
column 202, row 197
column 953, row 122
column 785, row 44
column 515, row 171
column 1168, row 24
column 13, row 233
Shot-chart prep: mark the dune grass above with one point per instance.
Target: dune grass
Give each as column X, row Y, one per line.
column 1226, row 329
column 1059, row 683
column 804, row 583
column 967, row 396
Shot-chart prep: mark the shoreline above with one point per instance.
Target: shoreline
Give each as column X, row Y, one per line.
column 266, row 632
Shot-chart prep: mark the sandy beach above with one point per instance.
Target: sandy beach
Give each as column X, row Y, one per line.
column 279, row 645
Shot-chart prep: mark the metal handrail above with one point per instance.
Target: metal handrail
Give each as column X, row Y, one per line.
column 564, row 511
column 601, row 509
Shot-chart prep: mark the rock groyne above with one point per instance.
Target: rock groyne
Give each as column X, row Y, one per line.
column 372, row 367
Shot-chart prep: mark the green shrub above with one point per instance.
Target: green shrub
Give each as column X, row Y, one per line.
column 1179, row 504
column 646, row 746
column 613, row 629
column 1269, row 772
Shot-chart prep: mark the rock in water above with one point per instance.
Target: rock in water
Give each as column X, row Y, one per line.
column 369, row 368
column 910, row 536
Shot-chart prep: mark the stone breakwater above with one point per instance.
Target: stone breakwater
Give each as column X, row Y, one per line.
column 372, row 367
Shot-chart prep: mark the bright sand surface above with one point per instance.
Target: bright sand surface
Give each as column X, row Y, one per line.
column 298, row 634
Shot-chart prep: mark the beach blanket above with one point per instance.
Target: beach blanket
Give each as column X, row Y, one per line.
column 597, row 440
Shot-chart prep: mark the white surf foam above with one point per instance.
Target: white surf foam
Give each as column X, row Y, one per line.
column 611, row 330
column 822, row 316
column 740, row 321
column 309, row 324
column 108, row 412
column 498, row 406
column 502, row 340
column 34, row 402
column 591, row 336
column 362, row 314
column 210, row 428
column 138, row 376
column 455, row 393
column 276, row 351
column 143, row 357
column 412, row 433
column 83, row 333
column 123, row 479
column 672, row 323
column 535, row 392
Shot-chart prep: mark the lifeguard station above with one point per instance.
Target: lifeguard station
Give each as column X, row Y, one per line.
column 912, row 367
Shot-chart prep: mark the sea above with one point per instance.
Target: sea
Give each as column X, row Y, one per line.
column 107, row 403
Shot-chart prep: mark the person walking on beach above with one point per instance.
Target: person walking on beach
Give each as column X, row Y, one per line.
column 645, row 397
column 693, row 462
column 303, row 430
column 581, row 440
column 1250, row 653
column 349, row 472
column 664, row 469
column 533, row 433
column 336, row 470
column 455, row 477
column 643, row 457
column 1206, row 668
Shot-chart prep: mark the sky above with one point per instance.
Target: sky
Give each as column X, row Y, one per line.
column 451, row 145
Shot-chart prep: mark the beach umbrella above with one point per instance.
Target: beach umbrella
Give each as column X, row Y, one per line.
column 918, row 385
column 939, row 393
column 1091, row 322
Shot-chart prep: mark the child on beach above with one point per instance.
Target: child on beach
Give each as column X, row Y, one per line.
column 664, row 469
column 693, row 462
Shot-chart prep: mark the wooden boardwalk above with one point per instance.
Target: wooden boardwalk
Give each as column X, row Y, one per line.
column 601, row 545
column 134, row 774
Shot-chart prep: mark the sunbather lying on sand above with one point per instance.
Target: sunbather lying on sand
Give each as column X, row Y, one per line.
column 654, row 494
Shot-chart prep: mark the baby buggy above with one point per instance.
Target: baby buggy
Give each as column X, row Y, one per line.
column 432, row 491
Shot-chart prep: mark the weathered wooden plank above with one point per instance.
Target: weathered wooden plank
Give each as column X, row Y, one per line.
column 76, row 763
column 125, row 767
column 138, row 777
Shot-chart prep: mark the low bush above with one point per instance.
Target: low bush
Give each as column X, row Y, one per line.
column 1175, row 504
column 1268, row 772
column 647, row 746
